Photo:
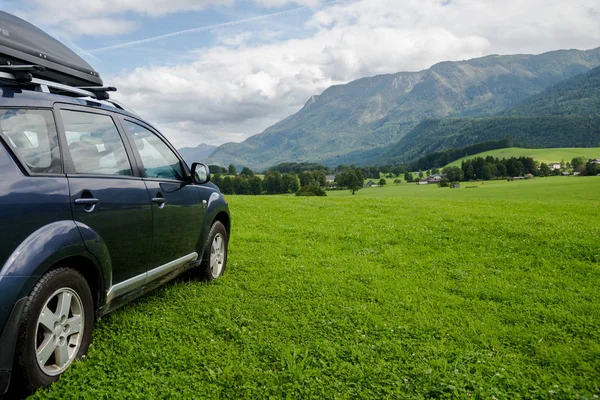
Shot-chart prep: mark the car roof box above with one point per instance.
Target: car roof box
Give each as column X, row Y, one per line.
column 22, row 43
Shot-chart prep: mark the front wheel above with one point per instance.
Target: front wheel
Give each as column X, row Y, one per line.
column 214, row 258
column 56, row 328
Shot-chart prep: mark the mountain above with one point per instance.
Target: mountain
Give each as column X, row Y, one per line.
column 359, row 121
column 564, row 115
column 198, row 153
column 576, row 96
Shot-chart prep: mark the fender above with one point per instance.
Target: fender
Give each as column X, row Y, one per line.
column 216, row 204
column 37, row 254
column 96, row 246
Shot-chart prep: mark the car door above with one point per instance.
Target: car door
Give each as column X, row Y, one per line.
column 177, row 207
column 105, row 193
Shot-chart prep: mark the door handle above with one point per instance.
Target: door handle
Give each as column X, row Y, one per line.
column 159, row 201
column 85, row 201
column 88, row 203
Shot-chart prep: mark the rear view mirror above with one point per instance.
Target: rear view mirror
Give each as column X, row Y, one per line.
column 200, row 173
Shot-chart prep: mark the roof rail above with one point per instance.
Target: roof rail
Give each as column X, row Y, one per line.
column 21, row 75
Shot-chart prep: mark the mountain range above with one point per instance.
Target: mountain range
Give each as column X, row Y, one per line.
column 393, row 118
column 566, row 114
column 198, row 153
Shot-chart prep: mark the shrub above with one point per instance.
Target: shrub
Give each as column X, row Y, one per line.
column 311, row 190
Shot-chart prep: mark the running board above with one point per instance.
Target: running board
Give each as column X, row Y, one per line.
column 131, row 284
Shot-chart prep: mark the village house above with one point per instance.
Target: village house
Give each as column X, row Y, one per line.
column 431, row 179
column 554, row 166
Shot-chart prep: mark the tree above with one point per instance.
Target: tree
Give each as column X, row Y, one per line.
column 247, row 172
column 591, row 168
column 227, row 185
column 486, row 173
column 215, row 169
column 382, row 182
column 240, row 185
column 501, row 169
column 352, row 178
column 420, row 174
column 305, row 178
column 231, row 170
column 272, row 182
column 578, row 162
column 216, row 179
column 408, row 176
column 289, row 183
column 453, row 174
column 397, row 170
column 255, row 185
column 311, row 190
column 444, row 182
column 545, row 169
column 320, row 177
column 468, row 171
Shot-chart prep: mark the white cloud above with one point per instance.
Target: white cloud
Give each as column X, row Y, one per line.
column 98, row 26
column 250, row 79
column 279, row 3
column 234, row 90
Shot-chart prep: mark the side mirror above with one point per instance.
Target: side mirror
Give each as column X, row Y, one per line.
column 200, row 173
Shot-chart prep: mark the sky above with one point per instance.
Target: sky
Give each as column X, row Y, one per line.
column 216, row 71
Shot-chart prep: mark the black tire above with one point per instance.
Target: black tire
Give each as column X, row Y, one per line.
column 204, row 271
column 52, row 286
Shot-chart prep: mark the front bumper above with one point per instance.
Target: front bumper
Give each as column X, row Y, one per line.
column 8, row 342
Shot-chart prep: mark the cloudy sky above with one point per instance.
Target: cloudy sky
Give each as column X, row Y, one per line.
column 216, row 71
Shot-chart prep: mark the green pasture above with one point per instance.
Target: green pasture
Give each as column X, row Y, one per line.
column 563, row 188
column 542, row 155
column 401, row 292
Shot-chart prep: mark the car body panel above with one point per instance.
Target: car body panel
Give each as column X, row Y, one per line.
column 177, row 223
column 122, row 220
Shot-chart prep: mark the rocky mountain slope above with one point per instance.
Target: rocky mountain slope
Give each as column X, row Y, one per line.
column 361, row 121
column 564, row 115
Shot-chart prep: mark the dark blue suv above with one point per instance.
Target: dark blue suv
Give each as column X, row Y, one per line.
column 96, row 209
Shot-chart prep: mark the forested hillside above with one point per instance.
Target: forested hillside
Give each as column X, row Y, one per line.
column 360, row 121
column 576, row 96
column 565, row 115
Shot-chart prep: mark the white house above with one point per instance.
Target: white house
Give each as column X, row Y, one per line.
column 554, row 165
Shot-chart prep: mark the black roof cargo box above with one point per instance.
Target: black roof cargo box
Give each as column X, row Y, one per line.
column 24, row 44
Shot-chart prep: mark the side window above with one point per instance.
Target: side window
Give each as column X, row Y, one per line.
column 158, row 159
column 31, row 134
column 95, row 144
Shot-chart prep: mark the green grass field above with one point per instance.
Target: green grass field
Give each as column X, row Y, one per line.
column 399, row 292
column 541, row 155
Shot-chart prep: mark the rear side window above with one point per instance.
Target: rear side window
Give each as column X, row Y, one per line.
column 31, row 135
column 159, row 160
column 95, row 144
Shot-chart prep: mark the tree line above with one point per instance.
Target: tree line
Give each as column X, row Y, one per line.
column 305, row 183
column 492, row 167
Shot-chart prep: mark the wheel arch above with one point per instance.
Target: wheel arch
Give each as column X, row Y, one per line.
column 90, row 271
column 225, row 219
column 53, row 245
